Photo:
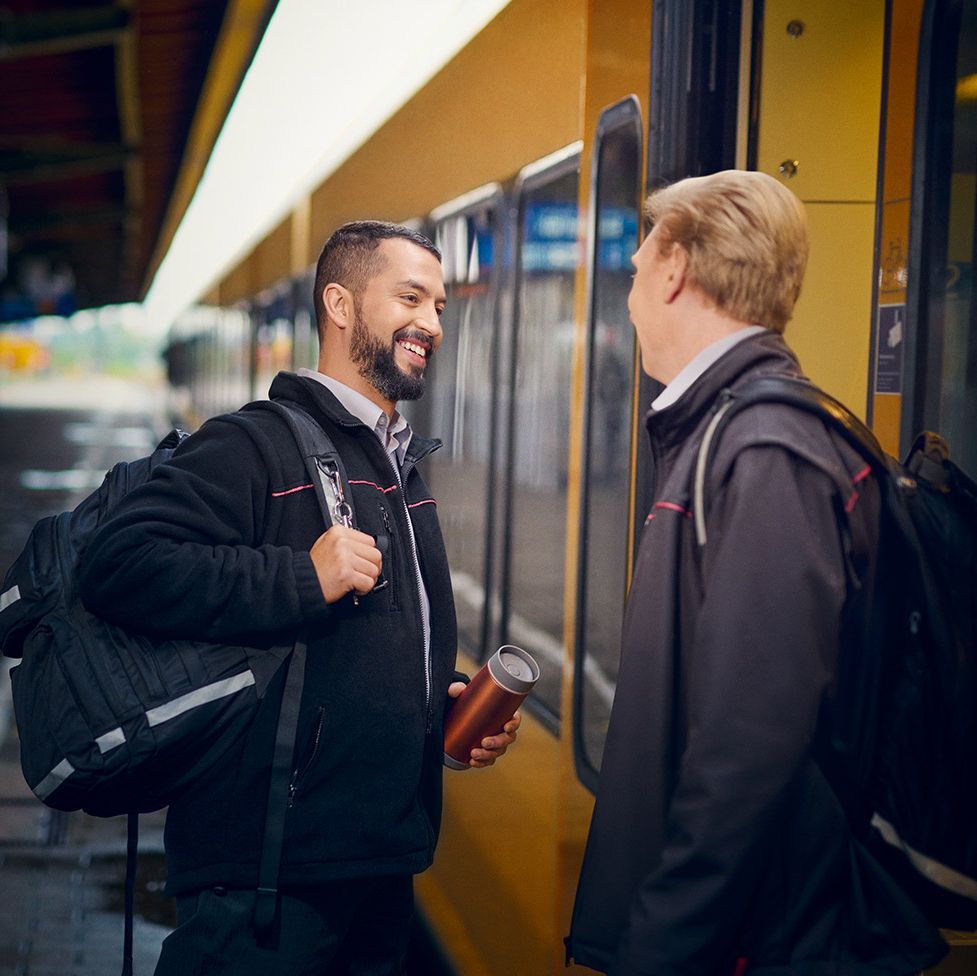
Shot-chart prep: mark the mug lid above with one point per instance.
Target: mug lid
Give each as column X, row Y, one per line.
column 514, row 668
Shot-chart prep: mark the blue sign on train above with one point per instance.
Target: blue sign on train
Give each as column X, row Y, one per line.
column 550, row 237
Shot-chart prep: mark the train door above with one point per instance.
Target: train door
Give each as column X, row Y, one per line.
column 609, row 408
column 686, row 84
column 694, row 108
column 939, row 387
column 539, row 380
column 925, row 353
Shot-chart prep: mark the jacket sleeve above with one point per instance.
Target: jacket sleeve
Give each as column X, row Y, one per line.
column 763, row 651
column 181, row 555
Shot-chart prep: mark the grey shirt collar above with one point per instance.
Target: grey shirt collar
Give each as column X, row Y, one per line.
column 394, row 435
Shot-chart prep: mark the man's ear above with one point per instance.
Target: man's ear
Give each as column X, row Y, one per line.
column 338, row 304
column 678, row 268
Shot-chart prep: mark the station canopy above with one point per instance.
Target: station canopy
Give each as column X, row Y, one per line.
column 108, row 113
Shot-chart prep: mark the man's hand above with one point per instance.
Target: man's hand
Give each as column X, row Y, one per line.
column 345, row 560
column 493, row 746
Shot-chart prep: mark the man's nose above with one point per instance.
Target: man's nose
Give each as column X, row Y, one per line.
column 431, row 322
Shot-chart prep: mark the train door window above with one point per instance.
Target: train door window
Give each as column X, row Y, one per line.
column 539, row 396
column 460, row 404
column 943, row 346
column 606, row 519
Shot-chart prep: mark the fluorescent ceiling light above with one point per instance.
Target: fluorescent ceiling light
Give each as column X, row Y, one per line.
column 326, row 76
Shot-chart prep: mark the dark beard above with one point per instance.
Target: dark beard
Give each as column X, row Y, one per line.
column 379, row 368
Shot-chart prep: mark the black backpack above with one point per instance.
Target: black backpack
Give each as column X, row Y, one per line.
column 901, row 746
column 114, row 722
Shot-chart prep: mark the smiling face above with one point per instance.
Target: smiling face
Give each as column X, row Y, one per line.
column 377, row 360
column 395, row 327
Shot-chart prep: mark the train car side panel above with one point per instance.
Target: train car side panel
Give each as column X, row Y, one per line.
column 818, row 130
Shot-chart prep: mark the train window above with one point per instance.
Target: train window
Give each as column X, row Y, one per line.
column 611, row 365
column 943, row 346
column 460, row 405
column 540, row 381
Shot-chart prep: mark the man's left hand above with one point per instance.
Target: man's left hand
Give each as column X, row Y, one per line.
column 493, row 746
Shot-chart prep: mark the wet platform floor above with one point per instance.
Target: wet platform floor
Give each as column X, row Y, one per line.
column 61, row 885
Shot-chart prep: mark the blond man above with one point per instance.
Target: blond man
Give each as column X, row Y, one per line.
column 717, row 847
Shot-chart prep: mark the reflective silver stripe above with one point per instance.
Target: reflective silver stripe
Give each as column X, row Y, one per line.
column 110, row 740
column 938, row 873
column 218, row 689
column 53, row 779
column 10, row 596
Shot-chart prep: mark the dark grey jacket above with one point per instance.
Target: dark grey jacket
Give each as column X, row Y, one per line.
column 215, row 546
column 715, row 837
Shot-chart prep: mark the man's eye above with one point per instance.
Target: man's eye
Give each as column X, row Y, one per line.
column 411, row 298
column 439, row 310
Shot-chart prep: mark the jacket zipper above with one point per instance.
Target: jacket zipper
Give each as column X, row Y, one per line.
column 402, row 481
column 298, row 774
column 390, row 575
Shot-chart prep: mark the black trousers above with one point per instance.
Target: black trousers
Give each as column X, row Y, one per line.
column 359, row 927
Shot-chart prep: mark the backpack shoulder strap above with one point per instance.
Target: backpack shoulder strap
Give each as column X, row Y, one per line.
column 328, row 476
column 793, row 392
column 322, row 460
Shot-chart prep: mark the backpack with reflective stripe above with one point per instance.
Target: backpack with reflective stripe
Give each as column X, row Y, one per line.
column 113, row 721
column 899, row 738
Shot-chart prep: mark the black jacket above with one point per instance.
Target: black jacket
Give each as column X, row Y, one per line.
column 216, row 547
column 715, row 836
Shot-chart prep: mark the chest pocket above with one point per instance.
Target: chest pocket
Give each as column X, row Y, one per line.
column 374, row 506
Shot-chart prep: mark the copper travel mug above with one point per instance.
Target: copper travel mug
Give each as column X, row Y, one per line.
column 488, row 702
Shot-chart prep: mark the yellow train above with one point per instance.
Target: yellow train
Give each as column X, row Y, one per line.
column 526, row 157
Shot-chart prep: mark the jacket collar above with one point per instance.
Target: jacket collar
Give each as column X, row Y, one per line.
column 320, row 401
column 764, row 352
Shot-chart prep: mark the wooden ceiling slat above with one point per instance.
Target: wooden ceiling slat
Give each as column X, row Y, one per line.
column 94, row 114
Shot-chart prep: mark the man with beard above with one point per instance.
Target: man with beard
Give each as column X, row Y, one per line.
column 223, row 544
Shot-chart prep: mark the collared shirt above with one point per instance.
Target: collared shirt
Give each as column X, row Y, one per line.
column 699, row 363
column 395, row 435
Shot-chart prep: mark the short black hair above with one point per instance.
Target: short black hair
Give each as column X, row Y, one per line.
column 349, row 258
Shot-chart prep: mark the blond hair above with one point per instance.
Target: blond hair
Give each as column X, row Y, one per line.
column 746, row 239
